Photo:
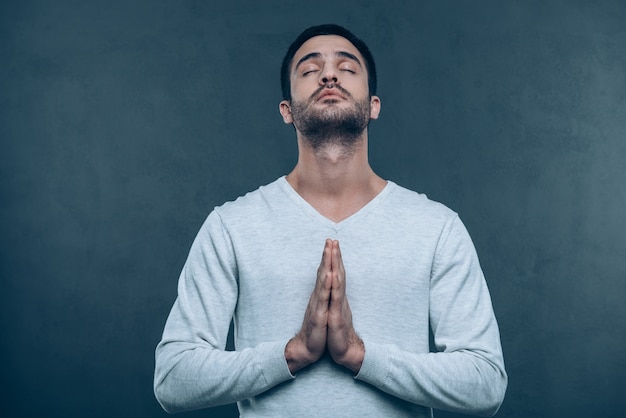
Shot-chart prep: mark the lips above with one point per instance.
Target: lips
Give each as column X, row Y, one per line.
column 330, row 93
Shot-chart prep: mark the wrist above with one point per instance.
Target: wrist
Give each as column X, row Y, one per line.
column 297, row 355
column 354, row 356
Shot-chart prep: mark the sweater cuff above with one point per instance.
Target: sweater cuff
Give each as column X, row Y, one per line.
column 273, row 363
column 375, row 367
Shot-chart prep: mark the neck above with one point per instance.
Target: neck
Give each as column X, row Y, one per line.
column 335, row 179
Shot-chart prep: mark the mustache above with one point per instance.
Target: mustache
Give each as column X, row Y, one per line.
column 319, row 90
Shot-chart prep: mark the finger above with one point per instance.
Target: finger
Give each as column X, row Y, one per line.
column 324, row 278
column 328, row 250
column 339, row 273
column 326, row 256
column 338, row 260
column 326, row 262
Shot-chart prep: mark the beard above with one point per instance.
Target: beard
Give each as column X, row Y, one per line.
column 331, row 125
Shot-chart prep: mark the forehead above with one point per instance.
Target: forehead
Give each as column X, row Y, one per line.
column 326, row 45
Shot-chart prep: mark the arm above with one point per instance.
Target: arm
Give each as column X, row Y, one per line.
column 467, row 375
column 192, row 369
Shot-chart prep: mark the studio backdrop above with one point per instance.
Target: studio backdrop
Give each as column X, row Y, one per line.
column 122, row 124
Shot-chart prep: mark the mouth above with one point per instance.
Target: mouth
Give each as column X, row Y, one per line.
column 330, row 94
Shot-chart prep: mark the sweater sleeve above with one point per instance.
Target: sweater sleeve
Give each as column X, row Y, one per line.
column 192, row 369
column 467, row 374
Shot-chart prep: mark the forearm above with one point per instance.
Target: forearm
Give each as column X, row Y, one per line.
column 462, row 381
column 192, row 376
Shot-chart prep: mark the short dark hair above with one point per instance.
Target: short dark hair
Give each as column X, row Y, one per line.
column 328, row 29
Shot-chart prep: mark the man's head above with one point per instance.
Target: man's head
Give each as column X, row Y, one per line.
column 329, row 29
column 330, row 85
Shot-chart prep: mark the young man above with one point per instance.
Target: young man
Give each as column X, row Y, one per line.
column 347, row 335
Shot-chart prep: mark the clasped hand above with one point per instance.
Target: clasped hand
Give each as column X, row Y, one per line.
column 327, row 323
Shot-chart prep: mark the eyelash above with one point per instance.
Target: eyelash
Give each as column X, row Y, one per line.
column 341, row 69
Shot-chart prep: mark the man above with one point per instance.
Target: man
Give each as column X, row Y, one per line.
column 347, row 335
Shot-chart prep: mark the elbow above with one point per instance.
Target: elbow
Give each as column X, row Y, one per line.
column 169, row 395
column 167, row 389
column 165, row 399
column 492, row 396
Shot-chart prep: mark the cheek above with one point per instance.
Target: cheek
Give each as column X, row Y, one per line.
column 359, row 91
column 303, row 87
column 299, row 94
column 358, row 87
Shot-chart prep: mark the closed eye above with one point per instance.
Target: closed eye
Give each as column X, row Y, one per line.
column 309, row 68
column 348, row 66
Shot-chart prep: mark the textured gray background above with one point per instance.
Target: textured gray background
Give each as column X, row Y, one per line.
column 122, row 124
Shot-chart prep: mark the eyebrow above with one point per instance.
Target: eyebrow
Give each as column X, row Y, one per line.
column 343, row 54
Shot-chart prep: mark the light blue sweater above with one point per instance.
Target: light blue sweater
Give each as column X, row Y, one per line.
column 409, row 264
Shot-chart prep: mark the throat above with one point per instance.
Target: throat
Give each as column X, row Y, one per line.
column 338, row 202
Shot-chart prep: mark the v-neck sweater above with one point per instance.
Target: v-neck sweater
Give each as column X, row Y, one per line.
column 410, row 267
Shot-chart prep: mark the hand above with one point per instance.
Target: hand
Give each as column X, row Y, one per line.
column 327, row 321
column 344, row 345
column 309, row 344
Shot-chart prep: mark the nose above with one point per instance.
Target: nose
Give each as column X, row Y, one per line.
column 328, row 76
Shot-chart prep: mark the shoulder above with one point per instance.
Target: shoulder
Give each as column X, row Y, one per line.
column 242, row 213
column 416, row 213
column 403, row 201
column 253, row 204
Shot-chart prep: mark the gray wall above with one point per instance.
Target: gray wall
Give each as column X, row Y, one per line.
column 122, row 125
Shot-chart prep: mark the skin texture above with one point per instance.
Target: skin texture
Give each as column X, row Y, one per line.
column 329, row 82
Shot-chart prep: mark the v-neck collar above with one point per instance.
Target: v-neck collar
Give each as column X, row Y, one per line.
column 321, row 219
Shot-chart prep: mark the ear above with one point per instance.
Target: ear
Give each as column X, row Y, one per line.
column 374, row 107
column 285, row 110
